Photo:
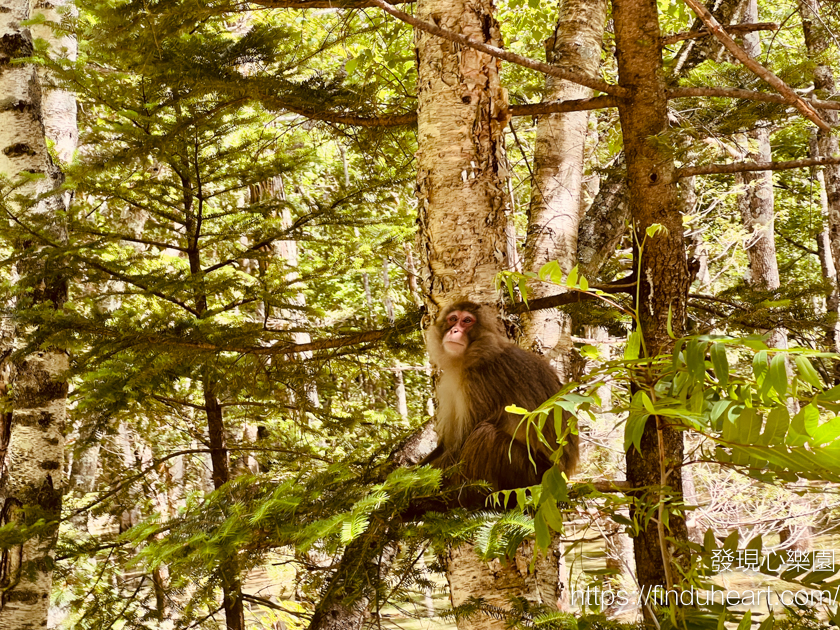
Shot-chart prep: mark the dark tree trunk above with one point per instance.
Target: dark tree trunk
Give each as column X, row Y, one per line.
column 663, row 269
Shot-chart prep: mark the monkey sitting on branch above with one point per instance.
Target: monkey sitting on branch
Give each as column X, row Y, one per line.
column 481, row 374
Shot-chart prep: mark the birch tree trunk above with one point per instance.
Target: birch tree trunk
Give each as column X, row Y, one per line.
column 463, row 201
column 31, row 478
column 663, row 268
column 461, row 165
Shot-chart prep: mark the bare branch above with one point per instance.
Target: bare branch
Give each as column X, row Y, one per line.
column 321, row 4
column 740, row 54
column 749, row 95
column 559, row 107
column 744, row 167
column 732, row 28
column 575, row 77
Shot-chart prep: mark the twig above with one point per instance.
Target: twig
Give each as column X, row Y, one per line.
column 741, row 55
column 575, row 77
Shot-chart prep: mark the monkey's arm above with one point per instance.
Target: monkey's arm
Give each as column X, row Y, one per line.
column 431, row 457
column 441, row 457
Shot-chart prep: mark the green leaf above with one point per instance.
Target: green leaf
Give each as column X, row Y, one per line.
column 776, row 426
column 827, row 432
column 571, row 281
column 768, row 623
column 554, row 486
column 778, row 374
column 731, row 541
column 654, row 228
column 746, row 621
column 807, row 372
column 633, row 431
column 634, row 343
column 646, row 402
column 583, row 283
column 749, row 426
column 831, row 395
column 351, row 64
column 551, row 271
column 760, row 364
column 541, row 531
column 552, row 515
column 802, row 424
column 719, row 363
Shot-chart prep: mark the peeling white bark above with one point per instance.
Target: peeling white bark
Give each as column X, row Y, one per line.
column 32, row 471
column 462, row 168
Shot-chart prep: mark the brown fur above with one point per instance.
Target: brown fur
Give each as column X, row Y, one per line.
column 473, row 391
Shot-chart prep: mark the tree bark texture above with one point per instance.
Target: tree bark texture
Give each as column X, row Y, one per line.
column 817, row 43
column 663, row 271
column 31, row 478
column 555, row 209
column 461, row 165
column 605, row 221
column 495, row 582
column 695, row 51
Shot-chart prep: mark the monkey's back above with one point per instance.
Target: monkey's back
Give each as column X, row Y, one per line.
column 513, row 376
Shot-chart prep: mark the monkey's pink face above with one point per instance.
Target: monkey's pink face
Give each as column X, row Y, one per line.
column 458, row 324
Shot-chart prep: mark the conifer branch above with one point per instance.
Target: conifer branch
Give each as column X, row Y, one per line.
column 745, row 167
column 575, row 77
column 741, row 55
column 749, row 95
column 732, row 28
column 552, row 107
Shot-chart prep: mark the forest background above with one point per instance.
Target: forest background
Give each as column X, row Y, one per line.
column 225, row 225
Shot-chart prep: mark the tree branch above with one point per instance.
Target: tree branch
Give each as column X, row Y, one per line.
column 322, row 4
column 622, row 285
column 740, row 54
column 575, row 77
column 732, row 28
column 750, row 95
column 744, row 167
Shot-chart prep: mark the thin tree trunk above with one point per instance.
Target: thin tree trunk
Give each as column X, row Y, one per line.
column 817, row 42
column 663, row 276
column 757, row 201
column 32, row 435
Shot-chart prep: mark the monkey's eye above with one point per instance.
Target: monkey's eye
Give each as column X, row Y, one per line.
column 468, row 320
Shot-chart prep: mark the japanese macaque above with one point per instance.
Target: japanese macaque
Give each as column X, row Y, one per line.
column 481, row 374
